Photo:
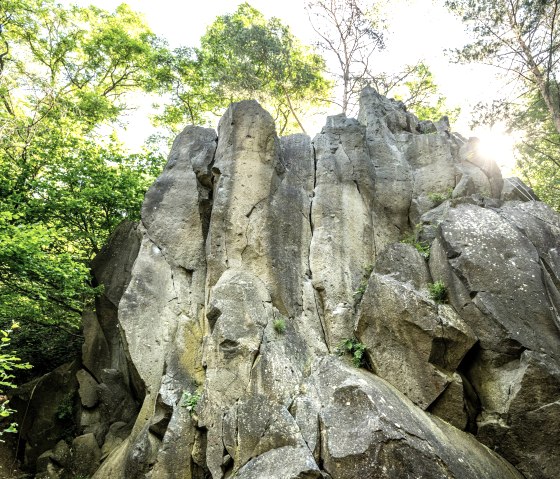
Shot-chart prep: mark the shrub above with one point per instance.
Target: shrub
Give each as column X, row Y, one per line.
column 8, row 363
column 423, row 247
column 279, row 325
column 355, row 349
column 440, row 197
column 438, row 291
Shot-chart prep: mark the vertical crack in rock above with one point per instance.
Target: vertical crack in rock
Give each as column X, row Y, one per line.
column 319, row 305
column 552, row 291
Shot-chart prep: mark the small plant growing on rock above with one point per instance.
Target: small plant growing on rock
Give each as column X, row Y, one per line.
column 439, row 198
column 363, row 283
column 438, row 292
column 65, row 409
column 423, row 247
column 190, row 400
column 361, row 289
column 279, row 325
column 355, row 349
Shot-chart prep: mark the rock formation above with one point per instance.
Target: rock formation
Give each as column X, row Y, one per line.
column 265, row 270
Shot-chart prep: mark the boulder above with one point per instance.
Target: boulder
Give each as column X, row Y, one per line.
column 412, row 342
column 368, row 429
column 87, row 389
column 86, row 455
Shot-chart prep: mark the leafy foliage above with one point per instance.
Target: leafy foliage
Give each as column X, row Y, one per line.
column 358, row 294
column 63, row 76
column 438, row 291
column 8, row 364
column 29, row 341
column 244, row 56
column 279, row 325
column 538, row 160
column 355, row 349
column 413, row 239
column 439, row 198
column 190, row 400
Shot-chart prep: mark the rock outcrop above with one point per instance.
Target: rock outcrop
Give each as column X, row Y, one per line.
column 264, row 270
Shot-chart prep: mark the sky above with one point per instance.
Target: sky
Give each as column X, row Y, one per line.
column 416, row 30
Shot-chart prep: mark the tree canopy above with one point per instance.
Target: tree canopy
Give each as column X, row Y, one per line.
column 522, row 39
column 415, row 86
column 63, row 184
column 351, row 34
column 245, row 56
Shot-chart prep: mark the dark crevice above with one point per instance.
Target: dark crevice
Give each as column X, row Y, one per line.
column 552, row 291
column 212, row 316
column 438, row 353
column 198, row 461
column 471, row 400
column 357, row 187
column 319, row 306
column 227, row 464
column 552, row 273
column 257, row 355
column 205, row 187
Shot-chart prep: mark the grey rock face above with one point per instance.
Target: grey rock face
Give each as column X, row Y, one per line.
column 366, row 428
column 214, row 350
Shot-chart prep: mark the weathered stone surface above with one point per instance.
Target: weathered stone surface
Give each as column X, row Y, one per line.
column 393, row 175
column 450, row 405
column 118, row 432
column 103, row 346
column 500, row 269
column 256, row 256
column 405, row 264
column 520, row 410
column 369, row 429
column 86, row 455
column 515, row 189
column 42, row 424
column 342, row 222
column 43, row 461
column 61, row 454
column 282, row 463
column 411, row 342
column 170, row 212
column 96, row 352
column 87, row 389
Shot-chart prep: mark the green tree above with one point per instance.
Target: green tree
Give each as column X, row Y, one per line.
column 64, row 74
column 521, row 38
column 350, row 34
column 416, row 88
column 242, row 56
column 8, row 363
column 538, row 162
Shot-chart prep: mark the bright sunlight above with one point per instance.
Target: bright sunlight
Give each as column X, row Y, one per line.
column 497, row 144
